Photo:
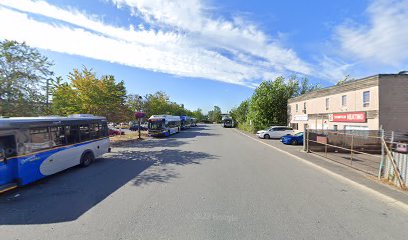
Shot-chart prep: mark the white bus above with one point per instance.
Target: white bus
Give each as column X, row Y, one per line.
column 163, row 125
column 32, row 148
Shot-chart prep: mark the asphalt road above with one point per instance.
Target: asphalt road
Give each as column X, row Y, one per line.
column 204, row 183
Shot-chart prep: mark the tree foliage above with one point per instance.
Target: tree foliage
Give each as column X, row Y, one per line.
column 156, row 104
column 268, row 104
column 85, row 93
column 25, row 76
column 239, row 113
column 198, row 114
column 215, row 115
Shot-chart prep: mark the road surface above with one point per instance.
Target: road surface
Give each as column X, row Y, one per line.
column 204, row 183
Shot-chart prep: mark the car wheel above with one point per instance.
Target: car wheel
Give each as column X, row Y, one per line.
column 294, row 142
column 87, row 159
column 266, row 136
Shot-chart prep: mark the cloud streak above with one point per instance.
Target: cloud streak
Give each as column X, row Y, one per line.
column 183, row 39
column 383, row 40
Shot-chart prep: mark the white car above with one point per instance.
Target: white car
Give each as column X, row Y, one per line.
column 275, row 132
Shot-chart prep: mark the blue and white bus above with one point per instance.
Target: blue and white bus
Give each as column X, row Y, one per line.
column 163, row 125
column 185, row 122
column 32, row 148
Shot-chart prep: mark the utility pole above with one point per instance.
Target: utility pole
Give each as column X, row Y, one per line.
column 140, row 119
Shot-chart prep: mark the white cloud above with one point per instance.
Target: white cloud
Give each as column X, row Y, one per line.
column 185, row 40
column 383, row 40
column 240, row 35
column 333, row 69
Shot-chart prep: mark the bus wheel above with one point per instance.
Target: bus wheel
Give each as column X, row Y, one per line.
column 86, row 159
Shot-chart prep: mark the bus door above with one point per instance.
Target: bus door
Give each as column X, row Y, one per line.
column 8, row 162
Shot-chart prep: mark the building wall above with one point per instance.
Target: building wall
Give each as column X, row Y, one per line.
column 318, row 115
column 393, row 93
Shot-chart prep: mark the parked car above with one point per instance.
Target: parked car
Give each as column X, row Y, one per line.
column 135, row 127
column 275, row 132
column 114, row 132
column 296, row 139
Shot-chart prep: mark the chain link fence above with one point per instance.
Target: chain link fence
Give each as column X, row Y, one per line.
column 378, row 153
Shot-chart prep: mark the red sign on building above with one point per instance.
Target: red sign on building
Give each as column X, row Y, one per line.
column 355, row 117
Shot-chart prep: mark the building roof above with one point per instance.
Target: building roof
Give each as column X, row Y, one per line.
column 345, row 87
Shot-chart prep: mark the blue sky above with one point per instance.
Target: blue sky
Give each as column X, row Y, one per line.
column 205, row 52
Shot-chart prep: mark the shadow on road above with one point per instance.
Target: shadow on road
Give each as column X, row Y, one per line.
column 69, row 194
column 194, row 132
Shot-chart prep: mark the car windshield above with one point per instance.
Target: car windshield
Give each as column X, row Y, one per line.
column 299, row 134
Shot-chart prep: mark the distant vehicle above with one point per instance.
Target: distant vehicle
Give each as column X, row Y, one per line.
column 163, row 125
column 32, row 148
column 194, row 122
column 135, row 127
column 275, row 132
column 185, row 122
column 228, row 122
column 296, row 139
column 115, row 132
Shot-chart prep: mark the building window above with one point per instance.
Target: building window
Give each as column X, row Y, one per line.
column 366, row 99
column 297, row 108
column 344, row 100
column 335, row 127
column 304, row 107
column 327, row 103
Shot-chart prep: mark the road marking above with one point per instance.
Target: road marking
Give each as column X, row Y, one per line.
column 389, row 200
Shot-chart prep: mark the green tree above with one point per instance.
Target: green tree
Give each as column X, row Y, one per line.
column 85, row 93
column 268, row 104
column 346, row 79
column 25, row 77
column 215, row 115
column 135, row 102
column 198, row 114
column 239, row 114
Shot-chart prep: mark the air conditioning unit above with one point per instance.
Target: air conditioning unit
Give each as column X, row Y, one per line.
column 81, row 115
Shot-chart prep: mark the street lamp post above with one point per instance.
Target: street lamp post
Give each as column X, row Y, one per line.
column 139, row 115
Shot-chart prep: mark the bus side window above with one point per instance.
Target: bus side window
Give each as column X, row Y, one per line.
column 94, row 130
column 72, row 134
column 40, row 139
column 85, row 134
column 8, row 144
column 57, row 136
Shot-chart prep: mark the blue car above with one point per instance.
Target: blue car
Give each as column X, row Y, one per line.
column 296, row 139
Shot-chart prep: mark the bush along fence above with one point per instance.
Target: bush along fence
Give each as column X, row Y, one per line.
column 374, row 152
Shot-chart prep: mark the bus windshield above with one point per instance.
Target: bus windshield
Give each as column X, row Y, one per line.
column 155, row 125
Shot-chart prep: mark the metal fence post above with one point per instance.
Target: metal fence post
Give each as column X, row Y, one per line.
column 351, row 148
column 308, row 135
column 380, row 170
column 305, row 141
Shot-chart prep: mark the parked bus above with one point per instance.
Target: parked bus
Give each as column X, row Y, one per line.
column 163, row 125
column 194, row 122
column 228, row 122
column 32, row 148
column 185, row 122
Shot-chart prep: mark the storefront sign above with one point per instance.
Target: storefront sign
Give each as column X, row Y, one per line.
column 300, row 117
column 354, row 117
